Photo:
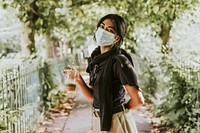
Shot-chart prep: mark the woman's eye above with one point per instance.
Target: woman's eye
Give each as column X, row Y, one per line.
column 110, row 30
column 102, row 26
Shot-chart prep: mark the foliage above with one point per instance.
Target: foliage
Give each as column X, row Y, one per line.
column 10, row 116
column 83, row 14
column 39, row 16
column 9, row 40
column 162, row 13
column 78, row 19
column 6, row 113
column 52, row 94
column 180, row 106
column 25, row 89
column 148, row 79
column 46, row 77
column 178, row 101
column 74, row 17
column 185, row 35
column 17, row 95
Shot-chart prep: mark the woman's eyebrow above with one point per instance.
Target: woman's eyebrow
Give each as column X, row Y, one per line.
column 102, row 23
column 111, row 27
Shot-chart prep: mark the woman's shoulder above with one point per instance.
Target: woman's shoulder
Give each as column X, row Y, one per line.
column 120, row 58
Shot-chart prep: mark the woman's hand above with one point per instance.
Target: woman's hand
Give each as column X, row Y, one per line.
column 70, row 73
column 80, row 82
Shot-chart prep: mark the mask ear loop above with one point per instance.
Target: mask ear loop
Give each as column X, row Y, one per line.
column 117, row 39
column 119, row 42
column 94, row 38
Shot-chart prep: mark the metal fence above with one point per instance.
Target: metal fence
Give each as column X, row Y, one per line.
column 21, row 95
column 20, row 100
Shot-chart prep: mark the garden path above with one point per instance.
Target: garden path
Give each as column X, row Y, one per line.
column 80, row 118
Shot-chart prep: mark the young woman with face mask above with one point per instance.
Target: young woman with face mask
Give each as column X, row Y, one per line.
column 111, row 73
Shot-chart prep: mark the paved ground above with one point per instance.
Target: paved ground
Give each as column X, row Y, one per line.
column 80, row 118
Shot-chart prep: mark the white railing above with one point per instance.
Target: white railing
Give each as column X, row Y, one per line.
column 21, row 94
column 20, row 98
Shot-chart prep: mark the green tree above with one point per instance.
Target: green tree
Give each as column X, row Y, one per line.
column 161, row 13
column 39, row 17
column 80, row 15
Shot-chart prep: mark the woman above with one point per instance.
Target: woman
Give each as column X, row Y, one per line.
column 111, row 73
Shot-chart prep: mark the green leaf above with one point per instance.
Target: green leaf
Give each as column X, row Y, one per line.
column 156, row 9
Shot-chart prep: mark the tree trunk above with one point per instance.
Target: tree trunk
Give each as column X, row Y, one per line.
column 28, row 46
column 165, row 36
column 48, row 46
column 25, row 40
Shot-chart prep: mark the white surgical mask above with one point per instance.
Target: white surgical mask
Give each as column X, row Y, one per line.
column 103, row 37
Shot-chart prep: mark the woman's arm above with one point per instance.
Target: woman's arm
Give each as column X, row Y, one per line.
column 83, row 86
column 136, row 97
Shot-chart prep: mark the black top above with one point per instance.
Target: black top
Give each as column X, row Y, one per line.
column 123, row 73
column 108, row 72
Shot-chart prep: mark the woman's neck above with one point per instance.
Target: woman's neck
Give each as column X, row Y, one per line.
column 104, row 49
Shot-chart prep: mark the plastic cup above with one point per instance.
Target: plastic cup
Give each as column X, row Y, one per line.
column 70, row 80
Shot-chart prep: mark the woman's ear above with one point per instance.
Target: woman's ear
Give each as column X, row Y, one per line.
column 117, row 38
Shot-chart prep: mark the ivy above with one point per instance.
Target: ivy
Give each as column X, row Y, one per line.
column 46, row 77
column 180, row 104
column 8, row 115
column 51, row 93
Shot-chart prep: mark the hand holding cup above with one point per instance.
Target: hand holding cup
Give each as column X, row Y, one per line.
column 70, row 78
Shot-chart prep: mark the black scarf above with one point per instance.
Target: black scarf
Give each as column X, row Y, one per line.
column 105, row 85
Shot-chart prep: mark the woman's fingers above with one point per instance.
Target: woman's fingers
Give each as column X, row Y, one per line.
column 64, row 72
column 68, row 68
column 69, row 71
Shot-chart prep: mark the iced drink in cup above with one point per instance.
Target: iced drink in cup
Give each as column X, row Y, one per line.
column 70, row 80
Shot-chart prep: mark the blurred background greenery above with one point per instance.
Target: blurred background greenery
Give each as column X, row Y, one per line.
column 162, row 37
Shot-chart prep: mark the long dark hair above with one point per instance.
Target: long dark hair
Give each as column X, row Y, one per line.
column 119, row 25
